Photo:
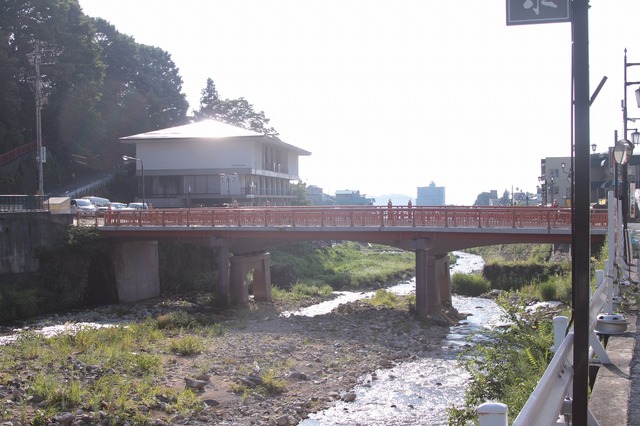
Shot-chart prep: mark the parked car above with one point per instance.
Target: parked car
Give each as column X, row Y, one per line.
column 82, row 206
column 114, row 205
column 138, row 206
column 97, row 201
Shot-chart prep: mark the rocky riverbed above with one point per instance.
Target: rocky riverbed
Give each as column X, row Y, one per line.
column 318, row 360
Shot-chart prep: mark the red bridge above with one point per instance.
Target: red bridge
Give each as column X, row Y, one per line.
column 431, row 232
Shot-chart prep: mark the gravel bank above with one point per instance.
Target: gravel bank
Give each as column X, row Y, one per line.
column 320, row 359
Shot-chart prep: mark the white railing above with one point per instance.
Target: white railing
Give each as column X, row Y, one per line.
column 547, row 403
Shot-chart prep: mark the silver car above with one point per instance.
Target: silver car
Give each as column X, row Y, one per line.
column 82, row 206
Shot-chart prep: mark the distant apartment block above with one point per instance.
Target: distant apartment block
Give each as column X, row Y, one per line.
column 317, row 197
column 431, row 195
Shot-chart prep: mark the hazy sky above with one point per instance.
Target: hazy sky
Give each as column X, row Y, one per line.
column 389, row 95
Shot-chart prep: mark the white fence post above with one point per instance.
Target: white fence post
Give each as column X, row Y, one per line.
column 493, row 414
column 560, row 324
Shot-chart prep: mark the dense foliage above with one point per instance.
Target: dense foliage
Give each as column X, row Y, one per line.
column 98, row 85
column 507, row 366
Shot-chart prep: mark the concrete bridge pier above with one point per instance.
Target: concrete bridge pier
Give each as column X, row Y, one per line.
column 136, row 269
column 223, row 272
column 241, row 265
column 433, row 282
column 443, row 278
column 427, row 291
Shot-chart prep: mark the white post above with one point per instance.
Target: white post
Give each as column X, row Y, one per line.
column 560, row 324
column 493, row 414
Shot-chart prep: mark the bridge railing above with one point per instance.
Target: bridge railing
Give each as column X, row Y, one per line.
column 436, row 217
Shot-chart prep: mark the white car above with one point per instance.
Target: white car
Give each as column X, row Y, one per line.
column 113, row 205
column 138, row 206
column 82, row 206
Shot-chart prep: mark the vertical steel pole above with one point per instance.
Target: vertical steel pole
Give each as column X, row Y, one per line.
column 581, row 226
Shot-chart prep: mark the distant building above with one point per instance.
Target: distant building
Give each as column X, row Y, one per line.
column 210, row 163
column 487, row 199
column 348, row 197
column 431, row 195
column 317, row 197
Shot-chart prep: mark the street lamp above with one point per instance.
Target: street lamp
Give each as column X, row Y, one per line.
column 127, row 158
column 228, row 178
column 543, row 189
column 624, row 149
column 569, row 173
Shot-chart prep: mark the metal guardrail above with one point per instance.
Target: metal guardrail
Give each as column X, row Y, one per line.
column 545, row 404
column 23, row 203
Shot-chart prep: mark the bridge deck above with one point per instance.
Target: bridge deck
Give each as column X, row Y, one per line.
column 449, row 228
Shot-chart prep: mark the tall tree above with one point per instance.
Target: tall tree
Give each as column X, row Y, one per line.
column 238, row 112
column 141, row 91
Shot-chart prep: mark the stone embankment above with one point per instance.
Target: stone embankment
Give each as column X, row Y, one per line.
column 319, row 359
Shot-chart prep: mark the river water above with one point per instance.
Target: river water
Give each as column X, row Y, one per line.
column 416, row 392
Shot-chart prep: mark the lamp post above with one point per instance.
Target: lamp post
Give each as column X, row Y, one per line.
column 228, row 178
column 623, row 147
column 569, row 173
column 543, row 189
column 127, row 158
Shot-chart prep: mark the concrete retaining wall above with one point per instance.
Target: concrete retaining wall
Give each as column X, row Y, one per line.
column 136, row 270
column 23, row 234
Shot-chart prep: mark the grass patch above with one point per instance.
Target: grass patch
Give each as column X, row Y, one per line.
column 302, row 291
column 125, row 362
column 345, row 265
column 187, row 345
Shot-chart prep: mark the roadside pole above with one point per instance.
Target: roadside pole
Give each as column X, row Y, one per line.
column 581, row 223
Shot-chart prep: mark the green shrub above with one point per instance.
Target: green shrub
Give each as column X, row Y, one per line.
column 548, row 291
column 556, row 288
column 175, row 320
column 469, row 284
column 18, row 303
column 384, row 298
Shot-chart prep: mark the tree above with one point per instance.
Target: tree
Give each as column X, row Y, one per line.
column 238, row 112
column 300, row 190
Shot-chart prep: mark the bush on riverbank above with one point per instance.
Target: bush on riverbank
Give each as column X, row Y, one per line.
column 507, row 366
column 469, row 284
column 516, row 275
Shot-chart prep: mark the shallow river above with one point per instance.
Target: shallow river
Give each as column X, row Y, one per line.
column 416, row 392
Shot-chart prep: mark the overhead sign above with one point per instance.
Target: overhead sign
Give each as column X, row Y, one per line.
column 525, row 12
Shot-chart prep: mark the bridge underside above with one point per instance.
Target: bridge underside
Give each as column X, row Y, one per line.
column 242, row 252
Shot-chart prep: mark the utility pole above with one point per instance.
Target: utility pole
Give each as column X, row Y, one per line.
column 36, row 59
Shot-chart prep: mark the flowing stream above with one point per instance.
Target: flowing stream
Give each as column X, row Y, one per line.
column 416, row 392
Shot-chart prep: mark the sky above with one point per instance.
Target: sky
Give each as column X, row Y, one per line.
column 391, row 95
